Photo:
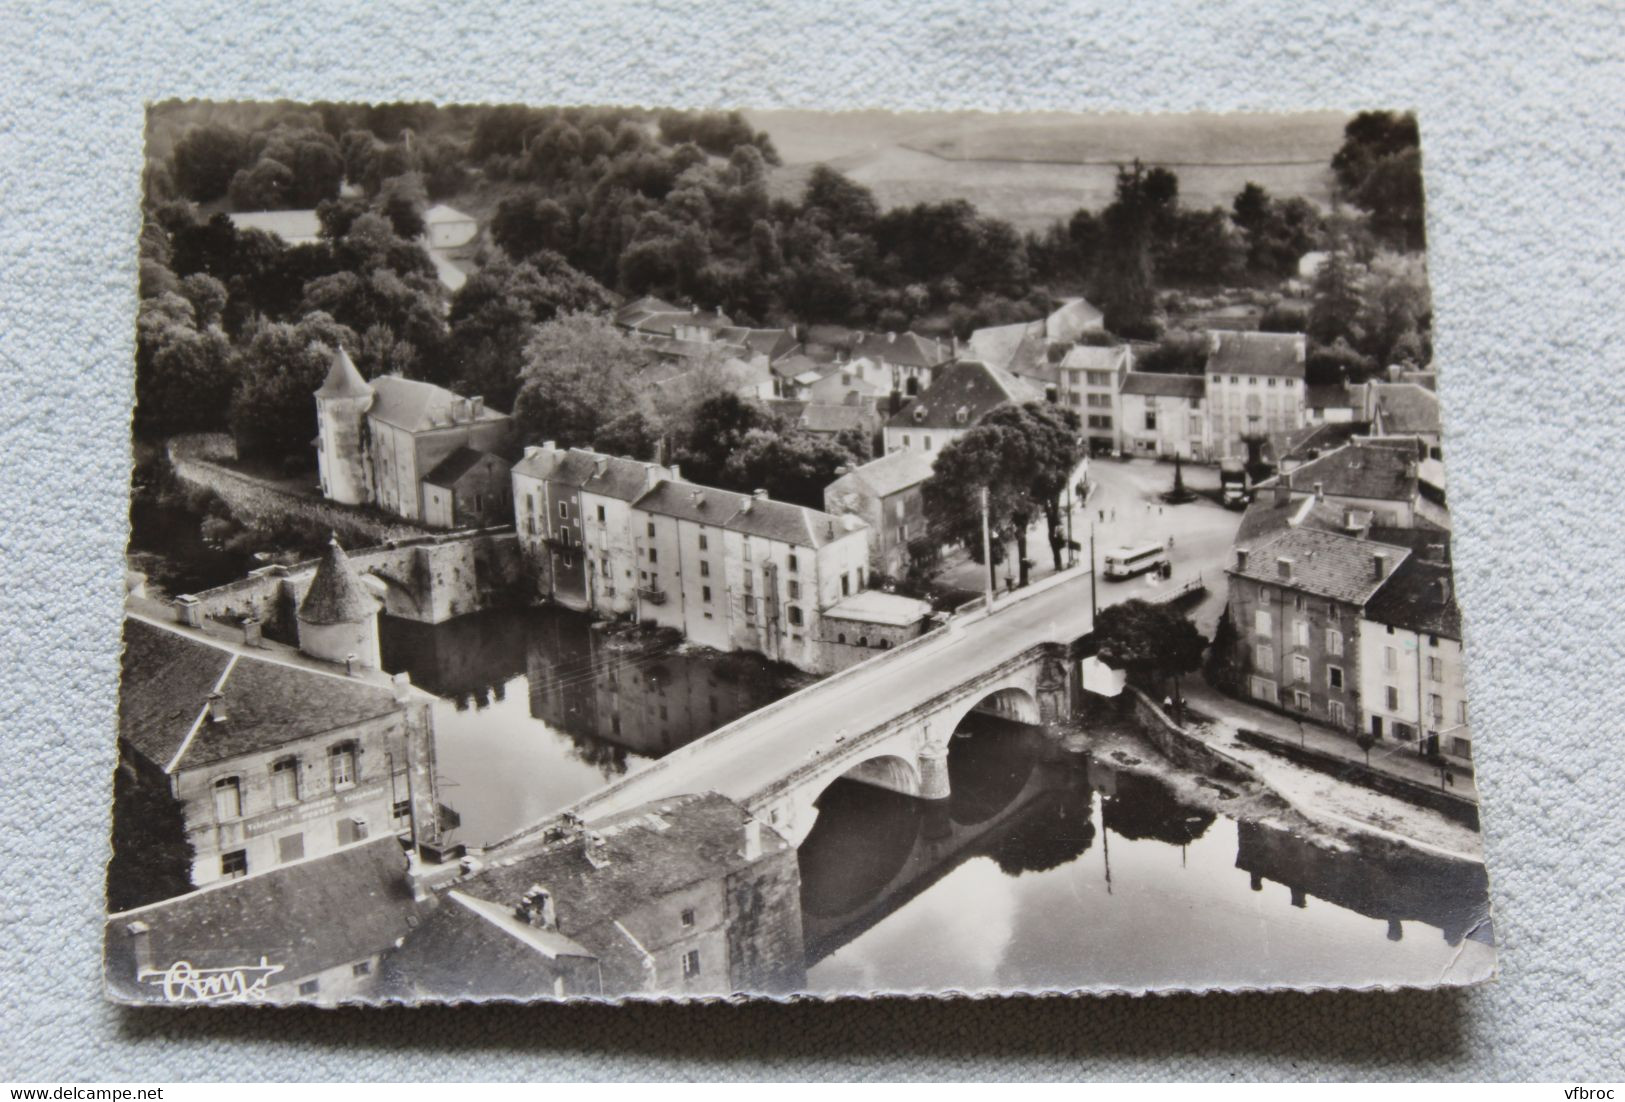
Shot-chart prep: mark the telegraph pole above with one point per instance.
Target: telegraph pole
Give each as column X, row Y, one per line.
column 1071, row 548
column 987, row 551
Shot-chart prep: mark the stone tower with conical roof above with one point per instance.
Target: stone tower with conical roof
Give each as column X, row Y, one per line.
column 338, row 618
column 341, row 415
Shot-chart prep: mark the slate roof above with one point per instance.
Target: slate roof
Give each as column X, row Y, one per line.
column 631, row 313
column 1090, row 357
column 440, row 214
column 343, row 380
column 1360, row 469
column 307, row 917
column 267, row 703
column 447, row 472
column 1250, row 353
column 828, row 417
column 892, row 473
column 1324, row 564
column 907, row 349
column 999, row 344
column 653, row 850
column 471, row 948
column 874, row 607
column 1406, row 408
column 772, row 343
column 969, row 385
column 1418, row 597
column 414, row 405
column 1264, row 518
column 593, row 472
column 336, row 595
column 1153, row 384
column 791, row 366
column 1073, row 318
column 775, row 520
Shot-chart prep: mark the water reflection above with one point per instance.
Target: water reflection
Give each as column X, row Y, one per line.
column 539, row 707
column 1047, row 870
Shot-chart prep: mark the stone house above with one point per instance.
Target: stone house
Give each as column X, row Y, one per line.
column 1296, row 602
column 1381, row 477
column 960, row 394
column 898, row 363
column 1255, row 388
column 887, row 495
column 858, row 627
column 468, row 489
column 1163, row 415
column 1090, row 379
column 1413, row 683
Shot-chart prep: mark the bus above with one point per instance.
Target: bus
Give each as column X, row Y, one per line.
column 1125, row 562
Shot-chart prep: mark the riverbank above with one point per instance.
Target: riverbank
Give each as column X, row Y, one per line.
column 1273, row 791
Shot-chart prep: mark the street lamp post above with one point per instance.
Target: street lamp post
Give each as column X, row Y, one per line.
column 1094, row 602
column 987, row 551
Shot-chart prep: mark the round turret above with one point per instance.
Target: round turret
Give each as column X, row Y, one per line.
column 338, row 618
column 341, row 410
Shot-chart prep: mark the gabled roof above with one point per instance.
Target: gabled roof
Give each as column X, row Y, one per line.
column 772, row 343
column 294, row 227
column 1418, row 597
column 1164, row 386
column 307, row 917
column 1312, row 441
column 415, row 406
column 970, row 386
column 343, row 380
column 168, row 677
column 890, row 474
column 1265, row 517
column 440, row 214
column 631, row 314
column 1249, row 353
column 798, row 363
column 591, row 472
column 1323, row 564
column 999, row 344
column 449, row 470
column 1406, row 408
column 907, row 349
column 1073, row 318
column 1091, row 357
column 828, row 417
column 754, row 516
column 1361, row 469
column 335, row 595
column 875, row 607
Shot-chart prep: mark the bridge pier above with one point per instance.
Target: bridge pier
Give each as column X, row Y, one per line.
column 933, row 768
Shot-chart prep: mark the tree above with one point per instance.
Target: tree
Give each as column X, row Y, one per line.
column 1365, row 740
column 1379, row 169
column 529, row 222
column 1396, row 309
column 633, row 434
column 183, row 371
column 791, row 465
column 577, row 375
column 1126, row 277
column 1152, row 642
column 402, row 200
column 206, row 158
column 1335, row 307
column 717, row 429
column 268, row 185
column 152, row 856
column 966, row 467
column 1178, row 353
column 1041, row 451
column 279, row 369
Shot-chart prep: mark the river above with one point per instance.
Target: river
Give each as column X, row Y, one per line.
column 1048, row 870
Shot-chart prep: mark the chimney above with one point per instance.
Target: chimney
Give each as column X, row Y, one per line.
column 829, row 529
column 891, row 338
column 759, row 495
column 1241, row 558
column 140, row 935
column 676, row 473
column 401, row 685
column 595, row 848
column 1283, row 491
column 1442, row 590
column 753, row 839
column 478, row 404
column 1283, row 568
column 698, row 498
column 599, row 466
column 550, row 446
column 532, row 451
column 1379, row 565
column 466, row 408
column 536, row 908
column 651, row 476
column 350, row 661
column 217, row 707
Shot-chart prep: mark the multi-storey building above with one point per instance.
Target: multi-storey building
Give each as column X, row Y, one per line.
column 960, row 394
column 1255, row 388
column 1163, row 415
column 887, row 495
column 1091, row 378
column 572, row 510
column 1413, row 687
column 1381, row 477
column 898, row 363
column 743, row 572
column 1296, row 601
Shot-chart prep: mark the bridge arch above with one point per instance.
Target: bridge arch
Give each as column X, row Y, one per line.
column 1013, row 702
column 397, row 592
column 889, row 771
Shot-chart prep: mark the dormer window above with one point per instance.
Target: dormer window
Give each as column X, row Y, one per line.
column 919, row 413
column 961, row 415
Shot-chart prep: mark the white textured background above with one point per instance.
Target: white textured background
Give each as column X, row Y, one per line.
column 1521, row 107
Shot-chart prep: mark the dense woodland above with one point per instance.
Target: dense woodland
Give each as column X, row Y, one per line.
column 587, row 205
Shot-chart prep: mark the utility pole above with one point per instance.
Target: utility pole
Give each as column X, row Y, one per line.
column 1071, row 548
column 987, row 550
column 1094, row 603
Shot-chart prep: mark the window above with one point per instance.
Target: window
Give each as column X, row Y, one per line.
column 795, row 590
column 906, row 440
column 352, row 830
column 1300, row 632
column 791, row 562
column 1390, row 659
column 1216, row 380
column 795, row 616
column 402, row 809
column 1393, row 699
column 285, row 782
column 1436, row 707
column 1461, row 711
column 1301, row 701
column 1404, row 732
column 927, row 443
column 310, row 987
column 1334, row 712
column 1287, row 383
column 1461, row 747
column 341, row 765
column 705, row 544
column 687, row 917
column 361, row 968
column 1252, row 380
column 1334, row 677
column 1300, row 667
column 651, row 529
column 840, row 637
column 1266, row 595
column 290, row 847
column 705, row 567
column 1272, row 381
column 1264, row 656
column 1435, row 668
column 654, row 556
column 1297, row 603
column 746, row 546
column 1102, row 378
column 1100, row 401
column 846, row 585
column 1262, row 624
column 705, row 592
column 691, row 963
column 1235, row 380
column 1334, row 641
column 1150, row 419
column 234, row 864
column 228, row 799
column 1263, row 689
